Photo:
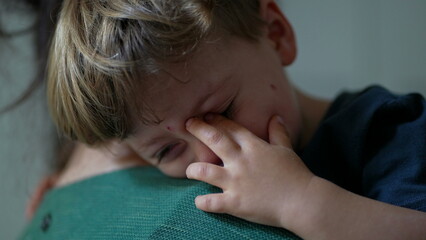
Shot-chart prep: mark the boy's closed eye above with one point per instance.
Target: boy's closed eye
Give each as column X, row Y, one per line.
column 228, row 111
column 164, row 155
column 170, row 152
column 160, row 154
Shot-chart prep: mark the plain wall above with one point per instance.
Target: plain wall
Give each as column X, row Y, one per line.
column 350, row 44
column 26, row 133
column 343, row 44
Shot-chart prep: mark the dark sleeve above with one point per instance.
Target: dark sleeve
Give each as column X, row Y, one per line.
column 373, row 143
column 394, row 167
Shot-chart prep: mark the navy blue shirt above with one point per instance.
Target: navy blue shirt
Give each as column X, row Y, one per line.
column 373, row 143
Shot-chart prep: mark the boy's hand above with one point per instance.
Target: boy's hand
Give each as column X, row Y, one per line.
column 262, row 182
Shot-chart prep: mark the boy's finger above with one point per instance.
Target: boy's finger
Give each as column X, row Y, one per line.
column 214, row 138
column 215, row 203
column 207, row 172
column 278, row 134
column 238, row 132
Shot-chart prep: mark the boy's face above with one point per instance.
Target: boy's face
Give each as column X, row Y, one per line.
column 243, row 80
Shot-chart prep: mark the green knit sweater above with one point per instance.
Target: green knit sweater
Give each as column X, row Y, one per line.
column 137, row 203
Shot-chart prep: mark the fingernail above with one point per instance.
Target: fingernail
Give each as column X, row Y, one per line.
column 189, row 122
column 208, row 117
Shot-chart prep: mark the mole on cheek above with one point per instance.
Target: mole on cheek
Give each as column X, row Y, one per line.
column 169, row 128
column 273, row 87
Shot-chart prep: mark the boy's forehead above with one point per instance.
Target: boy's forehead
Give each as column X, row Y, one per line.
column 170, row 96
column 174, row 104
column 207, row 55
column 205, row 65
column 211, row 67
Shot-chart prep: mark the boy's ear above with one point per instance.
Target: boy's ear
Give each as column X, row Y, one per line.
column 279, row 31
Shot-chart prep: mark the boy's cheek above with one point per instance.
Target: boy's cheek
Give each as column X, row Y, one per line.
column 173, row 171
column 176, row 168
column 256, row 125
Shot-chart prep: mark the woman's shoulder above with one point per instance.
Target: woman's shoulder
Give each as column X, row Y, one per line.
column 86, row 162
column 137, row 203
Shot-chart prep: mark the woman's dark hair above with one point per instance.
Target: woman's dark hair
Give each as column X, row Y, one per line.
column 47, row 13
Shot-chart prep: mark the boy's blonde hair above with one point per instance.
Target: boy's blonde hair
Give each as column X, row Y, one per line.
column 103, row 49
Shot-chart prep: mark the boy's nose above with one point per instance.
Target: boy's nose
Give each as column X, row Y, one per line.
column 204, row 154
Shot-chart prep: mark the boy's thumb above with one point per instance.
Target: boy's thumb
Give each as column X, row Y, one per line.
column 278, row 134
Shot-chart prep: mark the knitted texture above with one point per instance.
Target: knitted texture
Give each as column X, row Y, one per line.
column 137, row 203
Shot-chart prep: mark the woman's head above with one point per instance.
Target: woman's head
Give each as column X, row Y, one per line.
column 104, row 52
